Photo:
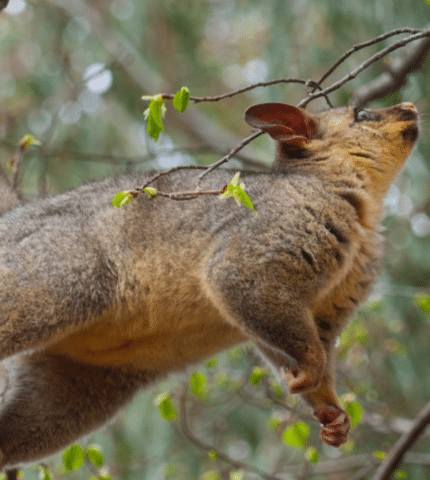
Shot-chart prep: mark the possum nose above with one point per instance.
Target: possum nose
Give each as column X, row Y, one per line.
column 409, row 106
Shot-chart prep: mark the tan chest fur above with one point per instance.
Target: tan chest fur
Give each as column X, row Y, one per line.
column 167, row 323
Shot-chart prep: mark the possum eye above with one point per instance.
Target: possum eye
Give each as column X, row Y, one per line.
column 361, row 115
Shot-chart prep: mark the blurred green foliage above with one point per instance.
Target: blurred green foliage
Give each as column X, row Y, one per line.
column 72, row 74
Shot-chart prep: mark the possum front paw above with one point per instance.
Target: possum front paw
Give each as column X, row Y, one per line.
column 300, row 381
column 336, row 424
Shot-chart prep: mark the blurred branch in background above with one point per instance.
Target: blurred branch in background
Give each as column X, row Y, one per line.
column 396, row 75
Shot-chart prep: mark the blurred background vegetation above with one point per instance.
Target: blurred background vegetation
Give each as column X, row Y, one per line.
column 73, row 73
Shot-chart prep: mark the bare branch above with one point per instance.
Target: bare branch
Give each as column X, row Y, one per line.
column 360, row 68
column 365, row 44
column 395, row 455
column 230, row 154
column 12, row 474
column 169, row 96
column 167, row 172
column 137, row 159
column 190, row 195
column 396, row 76
column 178, row 195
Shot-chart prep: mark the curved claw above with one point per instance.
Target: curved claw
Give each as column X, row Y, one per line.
column 336, row 425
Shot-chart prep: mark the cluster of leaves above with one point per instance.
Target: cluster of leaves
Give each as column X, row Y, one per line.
column 154, row 114
column 73, row 460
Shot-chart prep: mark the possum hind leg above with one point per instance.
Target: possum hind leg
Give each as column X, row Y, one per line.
column 49, row 402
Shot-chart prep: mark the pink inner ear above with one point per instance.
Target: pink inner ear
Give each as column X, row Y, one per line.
column 280, row 121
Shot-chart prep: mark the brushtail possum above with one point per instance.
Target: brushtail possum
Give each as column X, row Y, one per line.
column 98, row 302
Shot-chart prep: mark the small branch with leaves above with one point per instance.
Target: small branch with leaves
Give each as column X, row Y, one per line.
column 233, row 189
column 156, row 111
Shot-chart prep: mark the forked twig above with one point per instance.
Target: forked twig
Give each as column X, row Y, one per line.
column 367, row 43
column 374, row 58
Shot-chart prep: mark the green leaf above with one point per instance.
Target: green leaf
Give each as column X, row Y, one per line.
column 95, row 456
column 153, row 129
column 400, row 474
column 235, row 355
column 256, row 375
column 311, row 455
column 211, row 475
column 379, row 455
column 156, row 110
column 198, row 384
column 428, row 2
column 44, row 473
column 274, row 423
column 422, row 302
column 235, row 180
column 212, row 363
column 73, row 458
column 170, row 470
column 181, row 99
column 152, row 192
column 277, row 390
column 154, row 114
column 167, row 410
column 237, row 191
column 121, row 199
column 237, row 475
column 296, row 435
column 213, row 455
column 355, row 412
column 28, row 140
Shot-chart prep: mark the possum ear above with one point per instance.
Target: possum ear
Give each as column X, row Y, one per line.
column 284, row 123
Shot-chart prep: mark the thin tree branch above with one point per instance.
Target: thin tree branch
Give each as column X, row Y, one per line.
column 405, row 442
column 360, row 68
column 197, row 192
column 168, row 172
column 124, row 160
column 227, row 157
column 12, row 474
column 169, row 96
column 367, row 43
column 190, row 195
column 396, row 75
